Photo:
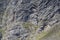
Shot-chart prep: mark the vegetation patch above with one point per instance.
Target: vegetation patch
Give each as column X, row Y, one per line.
column 2, row 31
column 29, row 25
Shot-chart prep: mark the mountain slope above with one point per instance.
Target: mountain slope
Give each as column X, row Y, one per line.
column 32, row 20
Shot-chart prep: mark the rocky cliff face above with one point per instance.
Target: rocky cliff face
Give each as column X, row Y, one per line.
column 32, row 20
column 3, row 5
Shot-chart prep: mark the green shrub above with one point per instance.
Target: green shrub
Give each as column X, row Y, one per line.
column 2, row 31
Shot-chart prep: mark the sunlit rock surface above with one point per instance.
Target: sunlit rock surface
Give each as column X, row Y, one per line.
column 31, row 20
